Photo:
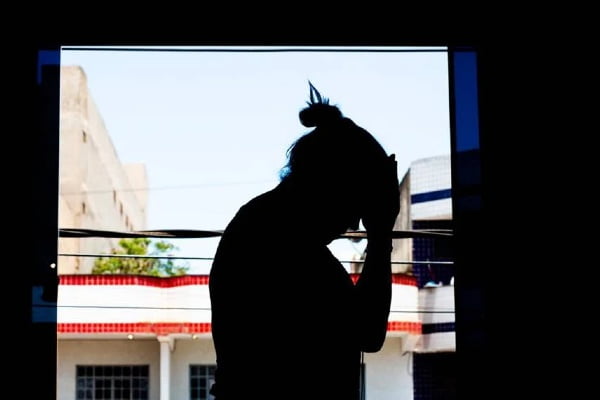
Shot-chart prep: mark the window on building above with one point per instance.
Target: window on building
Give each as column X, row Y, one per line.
column 83, row 207
column 435, row 250
column 201, row 379
column 84, row 136
column 113, row 382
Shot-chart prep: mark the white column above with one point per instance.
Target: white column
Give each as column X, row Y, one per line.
column 166, row 346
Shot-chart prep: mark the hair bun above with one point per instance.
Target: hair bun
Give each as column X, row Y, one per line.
column 318, row 114
column 319, row 111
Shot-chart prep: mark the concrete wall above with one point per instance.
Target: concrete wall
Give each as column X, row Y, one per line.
column 120, row 300
column 106, row 304
column 188, row 352
column 105, row 352
column 388, row 372
column 95, row 187
column 440, row 299
column 138, row 179
column 429, row 175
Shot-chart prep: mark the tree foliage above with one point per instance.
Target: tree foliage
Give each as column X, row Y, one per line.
column 140, row 266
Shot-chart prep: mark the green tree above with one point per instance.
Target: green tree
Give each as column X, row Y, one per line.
column 140, row 266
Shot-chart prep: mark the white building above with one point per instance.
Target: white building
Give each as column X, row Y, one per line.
column 96, row 191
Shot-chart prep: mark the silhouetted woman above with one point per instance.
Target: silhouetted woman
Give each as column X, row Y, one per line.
column 287, row 320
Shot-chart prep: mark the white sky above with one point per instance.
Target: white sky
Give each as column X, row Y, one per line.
column 212, row 127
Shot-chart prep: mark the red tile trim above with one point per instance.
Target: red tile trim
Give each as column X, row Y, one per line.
column 397, row 279
column 159, row 328
column 401, row 279
column 134, row 280
column 100, row 280
column 410, row 327
column 165, row 328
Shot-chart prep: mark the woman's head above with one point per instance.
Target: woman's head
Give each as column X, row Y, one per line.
column 337, row 149
column 337, row 159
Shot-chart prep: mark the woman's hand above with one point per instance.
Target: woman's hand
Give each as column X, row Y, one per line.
column 383, row 202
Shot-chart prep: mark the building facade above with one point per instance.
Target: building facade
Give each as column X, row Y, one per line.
column 96, row 190
column 428, row 181
column 139, row 338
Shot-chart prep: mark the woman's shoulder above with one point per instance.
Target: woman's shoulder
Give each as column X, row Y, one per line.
column 261, row 205
column 259, row 212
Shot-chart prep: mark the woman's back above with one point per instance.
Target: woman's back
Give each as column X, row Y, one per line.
column 282, row 309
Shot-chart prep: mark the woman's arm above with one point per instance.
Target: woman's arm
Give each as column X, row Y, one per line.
column 374, row 289
column 374, row 286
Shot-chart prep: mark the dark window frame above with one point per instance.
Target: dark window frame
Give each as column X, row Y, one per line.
column 116, row 382
column 198, row 374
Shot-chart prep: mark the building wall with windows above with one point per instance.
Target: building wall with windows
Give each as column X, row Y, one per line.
column 388, row 373
column 111, row 322
column 96, row 190
column 87, row 352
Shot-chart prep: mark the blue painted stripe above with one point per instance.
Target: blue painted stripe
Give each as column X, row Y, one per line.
column 437, row 328
column 430, row 196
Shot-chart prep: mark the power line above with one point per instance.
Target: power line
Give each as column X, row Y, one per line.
column 149, row 189
column 133, row 256
column 423, row 311
column 166, row 233
column 212, row 258
column 195, row 234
